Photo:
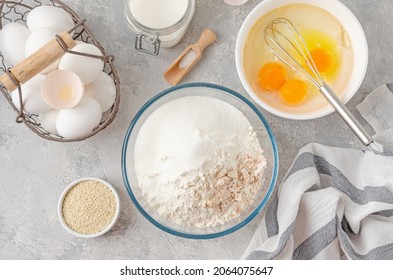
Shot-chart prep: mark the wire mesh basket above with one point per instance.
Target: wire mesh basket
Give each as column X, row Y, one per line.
column 17, row 11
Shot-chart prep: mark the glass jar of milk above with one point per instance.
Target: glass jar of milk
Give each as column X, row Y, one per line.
column 158, row 22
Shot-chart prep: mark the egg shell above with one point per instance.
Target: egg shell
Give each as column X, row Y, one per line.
column 79, row 120
column 235, row 2
column 103, row 89
column 87, row 68
column 38, row 39
column 13, row 39
column 48, row 120
column 58, row 80
column 31, row 96
column 49, row 17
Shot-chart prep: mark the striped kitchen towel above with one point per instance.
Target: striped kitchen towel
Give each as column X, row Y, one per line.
column 335, row 203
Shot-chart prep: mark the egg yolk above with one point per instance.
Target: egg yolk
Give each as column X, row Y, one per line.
column 324, row 52
column 293, row 92
column 272, row 76
column 322, row 59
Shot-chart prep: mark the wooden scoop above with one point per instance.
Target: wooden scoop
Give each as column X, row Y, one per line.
column 37, row 62
column 192, row 54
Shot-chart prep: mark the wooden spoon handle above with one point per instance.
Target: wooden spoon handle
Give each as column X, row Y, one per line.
column 207, row 38
column 37, row 62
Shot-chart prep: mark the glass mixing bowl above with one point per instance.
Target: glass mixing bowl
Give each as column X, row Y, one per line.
column 265, row 138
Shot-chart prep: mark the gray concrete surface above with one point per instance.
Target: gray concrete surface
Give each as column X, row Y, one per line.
column 33, row 172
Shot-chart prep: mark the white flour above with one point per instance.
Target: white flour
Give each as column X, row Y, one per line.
column 158, row 14
column 198, row 161
column 187, row 59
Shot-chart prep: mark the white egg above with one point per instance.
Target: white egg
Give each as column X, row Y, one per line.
column 38, row 39
column 103, row 89
column 49, row 17
column 87, row 68
column 13, row 38
column 79, row 120
column 31, row 96
column 48, row 120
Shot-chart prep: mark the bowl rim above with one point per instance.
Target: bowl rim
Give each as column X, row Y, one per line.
column 63, row 195
column 191, row 235
column 239, row 47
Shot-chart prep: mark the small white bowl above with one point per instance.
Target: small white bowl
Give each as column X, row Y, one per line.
column 344, row 16
column 60, row 208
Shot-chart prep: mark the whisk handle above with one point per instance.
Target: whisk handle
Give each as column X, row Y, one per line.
column 346, row 115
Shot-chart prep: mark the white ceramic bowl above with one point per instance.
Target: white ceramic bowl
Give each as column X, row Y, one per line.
column 60, row 208
column 344, row 16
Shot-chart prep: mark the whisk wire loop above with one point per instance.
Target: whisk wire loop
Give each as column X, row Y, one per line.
column 283, row 38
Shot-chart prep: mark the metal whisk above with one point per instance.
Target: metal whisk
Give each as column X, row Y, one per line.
column 285, row 41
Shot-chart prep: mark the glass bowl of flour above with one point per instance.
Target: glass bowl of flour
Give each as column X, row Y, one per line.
column 199, row 161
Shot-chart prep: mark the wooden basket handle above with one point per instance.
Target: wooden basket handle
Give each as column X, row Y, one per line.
column 37, row 62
